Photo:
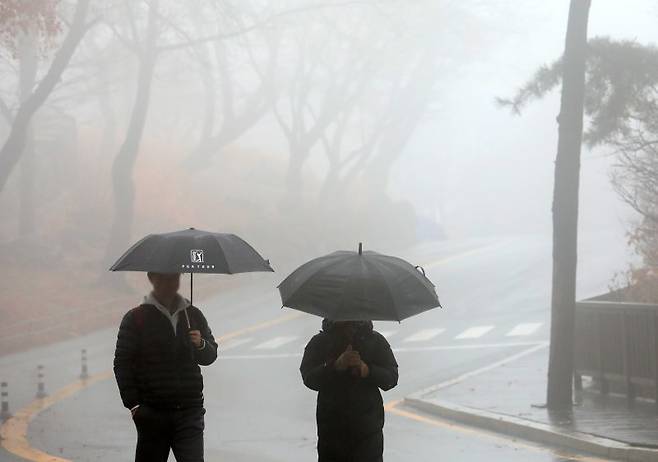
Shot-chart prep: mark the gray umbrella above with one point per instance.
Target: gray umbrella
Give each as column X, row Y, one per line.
column 357, row 286
column 192, row 251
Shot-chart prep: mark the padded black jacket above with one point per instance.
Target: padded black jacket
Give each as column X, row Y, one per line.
column 350, row 411
column 153, row 366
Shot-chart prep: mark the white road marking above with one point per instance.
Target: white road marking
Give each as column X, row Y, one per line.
column 276, row 342
column 424, row 335
column 462, row 346
column 524, row 329
column 474, row 332
column 400, row 350
column 233, row 344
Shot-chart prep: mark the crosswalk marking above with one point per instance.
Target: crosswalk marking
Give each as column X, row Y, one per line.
column 276, row 342
column 229, row 345
column 474, row 332
column 411, row 349
column 524, row 329
column 421, row 335
column 424, row 335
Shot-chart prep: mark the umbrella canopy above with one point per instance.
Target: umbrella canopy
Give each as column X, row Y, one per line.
column 191, row 251
column 359, row 286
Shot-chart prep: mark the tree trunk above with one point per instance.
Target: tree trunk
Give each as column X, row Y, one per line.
column 565, row 209
column 14, row 146
column 124, row 163
column 294, row 176
column 330, row 186
column 27, row 211
column 409, row 106
column 27, row 73
column 109, row 136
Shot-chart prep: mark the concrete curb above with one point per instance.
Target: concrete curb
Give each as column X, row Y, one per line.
column 533, row 431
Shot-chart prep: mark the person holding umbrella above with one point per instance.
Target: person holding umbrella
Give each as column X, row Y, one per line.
column 348, row 363
column 162, row 342
column 156, row 365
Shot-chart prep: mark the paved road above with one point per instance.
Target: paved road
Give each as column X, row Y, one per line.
column 496, row 296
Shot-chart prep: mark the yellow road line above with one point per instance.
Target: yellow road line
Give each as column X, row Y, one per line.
column 263, row 325
column 13, row 432
column 392, row 408
column 456, row 256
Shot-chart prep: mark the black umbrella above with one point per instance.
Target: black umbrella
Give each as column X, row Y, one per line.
column 357, row 286
column 192, row 251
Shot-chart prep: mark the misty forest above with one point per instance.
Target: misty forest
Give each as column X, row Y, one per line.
column 361, row 160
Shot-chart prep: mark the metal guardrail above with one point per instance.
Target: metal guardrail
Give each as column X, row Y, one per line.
column 617, row 343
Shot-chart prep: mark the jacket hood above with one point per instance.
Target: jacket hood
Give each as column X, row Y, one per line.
column 362, row 326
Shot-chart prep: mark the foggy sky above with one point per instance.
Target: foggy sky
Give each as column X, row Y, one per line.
column 497, row 168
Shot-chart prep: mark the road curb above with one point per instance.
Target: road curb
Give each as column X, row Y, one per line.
column 533, row 431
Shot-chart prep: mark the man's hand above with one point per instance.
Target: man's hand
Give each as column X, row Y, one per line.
column 195, row 338
column 355, row 364
column 347, row 359
column 359, row 369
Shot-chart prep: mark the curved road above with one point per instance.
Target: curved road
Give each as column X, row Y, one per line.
column 496, row 298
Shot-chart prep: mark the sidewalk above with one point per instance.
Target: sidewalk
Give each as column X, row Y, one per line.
column 507, row 399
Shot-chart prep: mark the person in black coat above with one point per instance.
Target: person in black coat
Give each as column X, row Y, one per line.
column 156, row 365
column 347, row 363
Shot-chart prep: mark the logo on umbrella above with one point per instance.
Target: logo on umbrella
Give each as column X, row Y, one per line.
column 196, row 256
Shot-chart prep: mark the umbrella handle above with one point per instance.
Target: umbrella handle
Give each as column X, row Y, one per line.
column 191, row 295
column 187, row 318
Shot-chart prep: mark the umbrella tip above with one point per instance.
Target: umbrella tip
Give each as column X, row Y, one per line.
column 360, row 248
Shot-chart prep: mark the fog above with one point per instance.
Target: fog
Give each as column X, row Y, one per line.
column 303, row 126
column 495, row 169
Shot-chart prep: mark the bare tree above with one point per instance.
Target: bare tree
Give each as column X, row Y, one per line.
column 318, row 91
column 241, row 106
column 145, row 50
column 28, row 65
column 163, row 35
column 14, row 146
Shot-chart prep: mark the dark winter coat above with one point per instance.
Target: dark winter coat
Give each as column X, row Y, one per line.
column 153, row 366
column 350, row 412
